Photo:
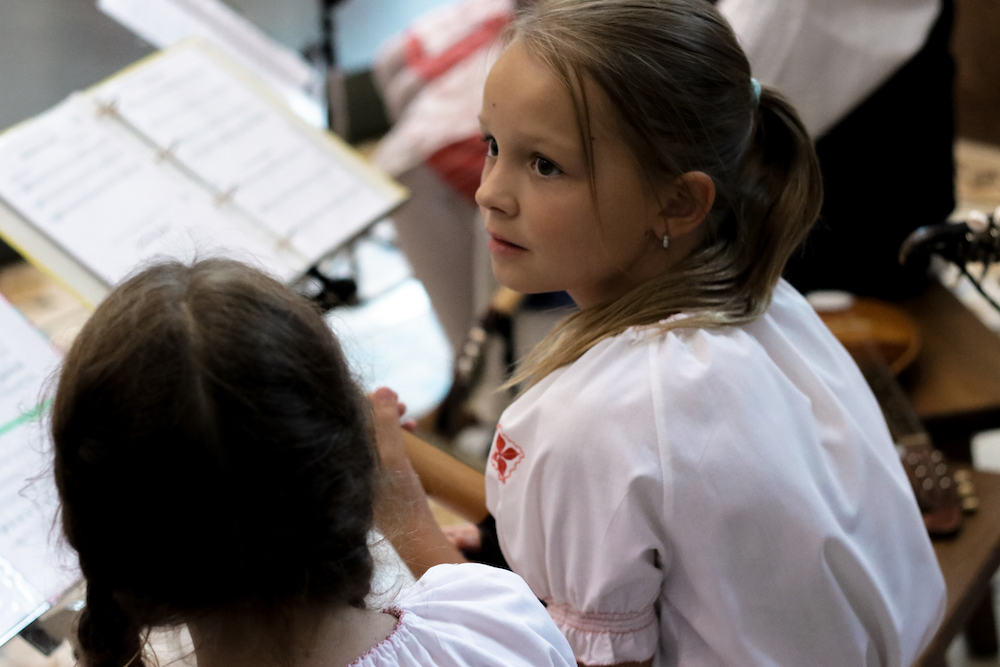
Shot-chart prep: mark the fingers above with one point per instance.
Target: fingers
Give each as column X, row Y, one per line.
column 464, row 536
column 388, row 434
column 383, row 398
column 384, row 407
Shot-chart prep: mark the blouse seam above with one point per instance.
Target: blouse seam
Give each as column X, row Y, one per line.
column 564, row 615
column 398, row 613
column 592, row 631
column 664, row 452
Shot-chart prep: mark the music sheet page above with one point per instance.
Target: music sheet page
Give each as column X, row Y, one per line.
column 163, row 23
column 224, row 131
column 35, row 567
column 106, row 198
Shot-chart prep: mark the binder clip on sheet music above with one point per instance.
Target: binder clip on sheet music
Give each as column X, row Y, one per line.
column 182, row 154
column 35, row 568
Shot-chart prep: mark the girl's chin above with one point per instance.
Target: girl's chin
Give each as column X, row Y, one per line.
column 510, row 277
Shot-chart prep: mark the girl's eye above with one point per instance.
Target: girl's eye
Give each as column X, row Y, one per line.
column 546, row 167
column 492, row 150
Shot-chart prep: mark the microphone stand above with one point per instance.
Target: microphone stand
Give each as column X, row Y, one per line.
column 975, row 240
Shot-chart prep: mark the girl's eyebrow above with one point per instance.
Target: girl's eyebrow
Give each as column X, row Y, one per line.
column 546, row 140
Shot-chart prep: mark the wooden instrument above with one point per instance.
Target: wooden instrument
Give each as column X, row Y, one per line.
column 451, row 415
column 459, row 488
column 883, row 340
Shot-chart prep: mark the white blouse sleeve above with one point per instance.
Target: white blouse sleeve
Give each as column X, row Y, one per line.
column 581, row 513
column 472, row 614
column 827, row 56
column 714, row 496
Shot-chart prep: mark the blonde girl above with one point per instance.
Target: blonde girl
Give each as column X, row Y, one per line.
column 695, row 472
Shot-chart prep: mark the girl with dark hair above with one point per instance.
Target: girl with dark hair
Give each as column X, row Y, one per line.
column 216, row 468
column 695, row 472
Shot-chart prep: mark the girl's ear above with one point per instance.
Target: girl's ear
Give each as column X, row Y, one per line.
column 687, row 203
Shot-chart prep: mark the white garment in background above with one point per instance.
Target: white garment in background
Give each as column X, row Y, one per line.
column 716, row 497
column 828, row 56
column 431, row 113
column 470, row 615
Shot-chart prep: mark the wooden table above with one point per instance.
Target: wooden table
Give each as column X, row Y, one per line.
column 968, row 563
column 954, row 385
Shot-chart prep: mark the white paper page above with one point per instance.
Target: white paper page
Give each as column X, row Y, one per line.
column 20, row 602
column 163, row 23
column 29, row 538
column 103, row 195
column 35, row 567
column 228, row 134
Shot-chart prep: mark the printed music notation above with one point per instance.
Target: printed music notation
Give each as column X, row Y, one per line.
column 34, row 566
column 184, row 155
column 100, row 194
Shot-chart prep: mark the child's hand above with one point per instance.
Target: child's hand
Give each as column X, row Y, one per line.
column 420, row 542
column 465, row 536
column 388, row 436
column 410, row 424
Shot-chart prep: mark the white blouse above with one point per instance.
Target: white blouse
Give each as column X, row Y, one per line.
column 470, row 615
column 828, row 56
column 716, row 497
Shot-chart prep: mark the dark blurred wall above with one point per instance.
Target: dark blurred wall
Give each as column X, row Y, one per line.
column 49, row 48
column 976, row 47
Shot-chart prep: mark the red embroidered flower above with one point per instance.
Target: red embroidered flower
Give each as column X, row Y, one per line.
column 505, row 457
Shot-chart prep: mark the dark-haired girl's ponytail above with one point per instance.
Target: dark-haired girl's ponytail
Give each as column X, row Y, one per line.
column 106, row 634
column 781, row 190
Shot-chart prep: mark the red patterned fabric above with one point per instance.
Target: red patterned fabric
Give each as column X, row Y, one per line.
column 431, row 66
column 460, row 165
column 431, row 78
column 505, row 457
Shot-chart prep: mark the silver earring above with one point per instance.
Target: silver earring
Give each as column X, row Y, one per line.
column 666, row 241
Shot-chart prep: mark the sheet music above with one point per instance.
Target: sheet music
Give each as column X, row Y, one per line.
column 105, row 197
column 34, row 567
column 221, row 129
column 166, row 22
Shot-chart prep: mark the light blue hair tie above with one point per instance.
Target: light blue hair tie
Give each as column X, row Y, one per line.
column 755, row 84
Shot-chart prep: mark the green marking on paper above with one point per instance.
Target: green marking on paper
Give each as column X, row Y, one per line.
column 29, row 416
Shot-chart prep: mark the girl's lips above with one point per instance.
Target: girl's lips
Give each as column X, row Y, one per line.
column 503, row 247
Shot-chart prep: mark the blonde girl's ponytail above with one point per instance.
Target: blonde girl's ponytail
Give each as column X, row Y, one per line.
column 680, row 93
column 779, row 192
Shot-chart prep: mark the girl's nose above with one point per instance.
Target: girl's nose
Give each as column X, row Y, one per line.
column 494, row 193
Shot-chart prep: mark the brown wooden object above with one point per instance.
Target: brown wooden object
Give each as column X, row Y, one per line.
column 456, row 486
column 954, row 383
column 968, row 562
column 871, row 326
column 958, row 370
